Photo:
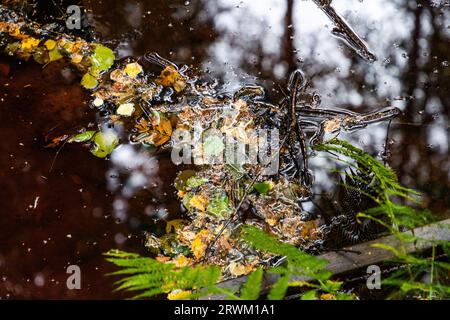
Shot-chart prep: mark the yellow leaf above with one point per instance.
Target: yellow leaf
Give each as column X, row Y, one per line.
column 77, row 58
column 133, row 69
column 179, row 295
column 237, row 269
column 327, row 296
column 174, row 224
column 50, row 44
column 162, row 131
column 182, row 261
column 29, row 43
column 142, row 125
column 200, row 243
column 199, row 202
column 170, row 77
column 125, row 109
column 164, row 127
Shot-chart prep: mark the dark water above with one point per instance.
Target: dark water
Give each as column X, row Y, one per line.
column 86, row 206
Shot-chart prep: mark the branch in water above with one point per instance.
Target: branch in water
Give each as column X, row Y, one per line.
column 343, row 31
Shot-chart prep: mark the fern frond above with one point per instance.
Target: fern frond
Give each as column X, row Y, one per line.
column 154, row 277
column 365, row 163
column 252, row 288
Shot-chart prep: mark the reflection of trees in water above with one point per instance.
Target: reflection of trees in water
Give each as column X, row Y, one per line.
column 419, row 150
column 426, row 78
column 177, row 29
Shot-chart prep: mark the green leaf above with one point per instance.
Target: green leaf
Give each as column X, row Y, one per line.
column 181, row 179
column 219, row 205
column 187, row 199
column 11, row 48
column 82, row 137
column 252, row 288
column 331, row 286
column 213, row 146
column 309, row 295
column 279, row 289
column 102, row 59
column 194, row 182
column 54, row 55
column 105, row 142
column 89, row 81
column 263, row 187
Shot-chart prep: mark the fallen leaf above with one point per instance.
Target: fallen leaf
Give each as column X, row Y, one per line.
column 170, row 77
column 175, row 225
column 29, row 43
column 125, row 109
column 83, row 137
column 105, row 143
column 237, row 269
column 103, row 58
column 213, row 146
column 133, row 69
column 89, row 81
column 182, row 261
column 327, row 296
column 163, row 259
column 200, row 243
column 264, row 187
column 219, row 205
column 332, row 125
column 199, row 203
column 179, row 295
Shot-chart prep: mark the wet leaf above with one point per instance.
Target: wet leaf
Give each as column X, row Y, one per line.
column 11, row 48
column 179, row 295
column 182, row 261
column 213, row 146
column 162, row 131
column 199, row 203
column 200, row 243
column 133, row 69
column 182, row 178
column 40, row 55
column 125, row 109
column 264, row 187
column 29, row 43
column 50, row 44
column 54, row 55
column 219, row 205
column 102, row 59
column 237, row 269
column 187, row 199
column 309, row 295
column 105, row 142
column 83, row 137
column 173, row 225
column 168, row 76
column 194, row 182
column 89, row 82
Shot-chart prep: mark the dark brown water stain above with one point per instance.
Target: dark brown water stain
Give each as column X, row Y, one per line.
column 50, row 220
